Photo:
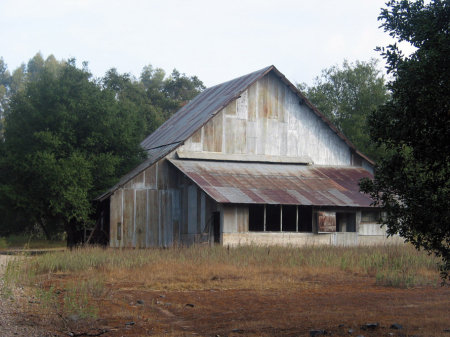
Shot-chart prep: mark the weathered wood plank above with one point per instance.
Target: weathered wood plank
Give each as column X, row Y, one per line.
column 230, row 135
column 242, row 106
column 153, row 219
column 138, row 181
column 141, row 218
column 208, row 139
column 252, row 104
column 218, row 132
column 115, row 216
column 192, row 210
column 150, row 177
column 241, row 136
column 230, row 109
column 128, row 217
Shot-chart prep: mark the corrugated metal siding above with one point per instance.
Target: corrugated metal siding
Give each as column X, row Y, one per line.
column 277, row 184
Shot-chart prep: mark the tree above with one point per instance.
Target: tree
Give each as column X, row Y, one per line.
column 412, row 180
column 172, row 93
column 347, row 96
column 67, row 139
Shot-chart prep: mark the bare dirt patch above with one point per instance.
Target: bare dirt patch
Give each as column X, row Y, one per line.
column 336, row 305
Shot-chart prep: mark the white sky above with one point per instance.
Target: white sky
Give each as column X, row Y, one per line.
column 215, row 40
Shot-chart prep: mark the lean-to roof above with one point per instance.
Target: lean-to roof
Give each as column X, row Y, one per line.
column 286, row 184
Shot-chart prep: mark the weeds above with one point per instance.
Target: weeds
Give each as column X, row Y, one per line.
column 3, row 243
column 71, row 281
column 29, row 242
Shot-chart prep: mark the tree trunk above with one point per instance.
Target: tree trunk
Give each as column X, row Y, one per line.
column 70, row 234
column 41, row 223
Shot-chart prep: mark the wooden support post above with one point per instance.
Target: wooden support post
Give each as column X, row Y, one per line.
column 296, row 218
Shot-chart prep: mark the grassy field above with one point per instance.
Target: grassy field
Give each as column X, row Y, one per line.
column 83, row 283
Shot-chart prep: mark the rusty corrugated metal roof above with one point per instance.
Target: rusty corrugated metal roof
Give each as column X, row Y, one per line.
column 252, row 183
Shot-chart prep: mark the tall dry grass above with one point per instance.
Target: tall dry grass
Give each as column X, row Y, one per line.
column 200, row 267
column 72, row 284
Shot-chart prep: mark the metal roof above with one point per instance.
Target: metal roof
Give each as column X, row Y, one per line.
column 153, row 156
column 252, row 183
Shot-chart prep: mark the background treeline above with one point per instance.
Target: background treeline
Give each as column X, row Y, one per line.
column 156, row 95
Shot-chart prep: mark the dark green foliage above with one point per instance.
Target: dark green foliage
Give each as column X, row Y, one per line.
column 172, row 93
column 67, row 139
column 347, row 96
column 412, row 181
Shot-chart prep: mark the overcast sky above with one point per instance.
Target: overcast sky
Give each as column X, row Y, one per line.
column 215, row 40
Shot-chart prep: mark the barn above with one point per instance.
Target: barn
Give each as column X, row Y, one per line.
column 248, row 161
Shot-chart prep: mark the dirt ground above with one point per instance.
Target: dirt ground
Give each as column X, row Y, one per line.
column 341, row 306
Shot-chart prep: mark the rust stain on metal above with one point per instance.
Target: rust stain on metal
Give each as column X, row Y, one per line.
column 277, row 183
column 326, row 221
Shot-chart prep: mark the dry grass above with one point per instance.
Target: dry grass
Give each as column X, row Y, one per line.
column 96, row 282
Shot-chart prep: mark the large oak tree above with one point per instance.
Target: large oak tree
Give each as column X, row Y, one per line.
column 412, row 180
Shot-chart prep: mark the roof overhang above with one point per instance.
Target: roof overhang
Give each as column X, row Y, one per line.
column 287, row 184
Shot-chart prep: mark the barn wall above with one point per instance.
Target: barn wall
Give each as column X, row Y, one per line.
column 195, row 211
column 160, row 207
column 268, row 119
column 148, row 208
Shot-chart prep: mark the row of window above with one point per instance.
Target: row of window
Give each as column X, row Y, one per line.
column 276, row 218
column 292, row 218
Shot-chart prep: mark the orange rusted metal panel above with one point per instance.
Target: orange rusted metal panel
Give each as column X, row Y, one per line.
column 326, row 222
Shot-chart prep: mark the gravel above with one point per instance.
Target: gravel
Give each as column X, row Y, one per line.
column 12, row 319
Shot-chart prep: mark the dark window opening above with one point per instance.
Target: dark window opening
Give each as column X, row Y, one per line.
column 273, row 213
column 346, row 222
column 256, row 218
column 370, row 216
column 304, row 219
column 289, row 218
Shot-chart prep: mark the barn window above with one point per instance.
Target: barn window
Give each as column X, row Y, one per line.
column 371, row 216
column 304, row 219
column 256, row 218
column 289, row 218
column 276, row 218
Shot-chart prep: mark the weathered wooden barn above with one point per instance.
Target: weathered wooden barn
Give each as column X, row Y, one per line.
column 247, row 161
